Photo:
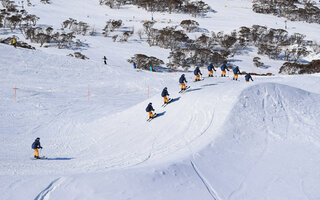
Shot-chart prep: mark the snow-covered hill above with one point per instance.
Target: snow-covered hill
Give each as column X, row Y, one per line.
column 222, row 139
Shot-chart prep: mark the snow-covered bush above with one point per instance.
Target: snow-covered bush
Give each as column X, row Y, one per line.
column 189, row 25
column 144, row 62
column 296, row 68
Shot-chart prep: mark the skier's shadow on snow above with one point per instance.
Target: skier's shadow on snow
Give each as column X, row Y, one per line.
column 160, row 114
column 208, row 85
column 175, row 99
column 59, row 158
column 195, row 89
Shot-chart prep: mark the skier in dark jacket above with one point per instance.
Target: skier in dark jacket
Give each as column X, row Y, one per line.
column 182, row 81
column 197, row 72
column 248, row 77
column 164, row 94
column 211, row 69
column 236, row 72
column 36, row 145
column 223, row 68
column 149, row 109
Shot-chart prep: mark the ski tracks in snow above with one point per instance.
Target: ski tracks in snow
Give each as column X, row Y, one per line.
column 206, row 183
column 45, row 194
column 209, row 188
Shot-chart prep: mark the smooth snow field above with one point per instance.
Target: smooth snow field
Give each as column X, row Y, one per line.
column 221, row 139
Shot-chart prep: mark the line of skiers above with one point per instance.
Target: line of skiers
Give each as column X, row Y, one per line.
column 224, row 68
column 197, row 73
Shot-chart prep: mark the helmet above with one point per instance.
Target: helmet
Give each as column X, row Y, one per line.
column 150, row 103
column 165, row 88
column 182, row 75
column 38, row 138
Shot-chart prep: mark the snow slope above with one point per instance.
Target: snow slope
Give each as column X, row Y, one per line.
column 220, row 140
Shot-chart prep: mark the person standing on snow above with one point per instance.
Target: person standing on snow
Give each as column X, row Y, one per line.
column 236, row 72
column 182, row 81
column 248, row 77
column 149, row 109
column 36, row 145
column 223, row 68
column 164, row 94
column 197, row 72
column 105, row 60
column 211, row 69
column 14, row 42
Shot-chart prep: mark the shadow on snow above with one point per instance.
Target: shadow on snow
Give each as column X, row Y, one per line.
column 191, row 90
column 60, row 158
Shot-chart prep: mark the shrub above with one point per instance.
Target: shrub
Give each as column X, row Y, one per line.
column 296, row 68
column 143, row 62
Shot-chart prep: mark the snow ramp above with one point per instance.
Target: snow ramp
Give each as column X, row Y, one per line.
column 267, row 148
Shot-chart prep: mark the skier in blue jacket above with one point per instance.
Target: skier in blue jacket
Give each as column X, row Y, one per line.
column 197, row 72
column 223, row 68
column 211, row 69
column 236, row 72
column 149, row 109
column 248, row 77
column 164, row 94
column 182, row 81
column 36, row 145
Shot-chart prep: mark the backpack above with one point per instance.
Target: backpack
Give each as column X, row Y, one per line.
column 195, row 72
column 33, row 146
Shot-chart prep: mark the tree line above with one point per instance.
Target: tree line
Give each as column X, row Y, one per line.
column 195, row 8
column 294, row 10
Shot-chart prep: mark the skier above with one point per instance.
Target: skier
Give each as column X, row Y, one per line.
column 211, row 69
column 36, row 145
column 197, row 72
column 164, row 94
column 236, row 72
column 223, row 68
column 105, row 60
column 248, row 77
column 134, row 65
column 182, row 81
column 150, row 109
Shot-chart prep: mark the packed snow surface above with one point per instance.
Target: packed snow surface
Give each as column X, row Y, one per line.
column 222, row 139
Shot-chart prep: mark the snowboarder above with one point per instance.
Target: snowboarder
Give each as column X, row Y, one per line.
column 236, row 72
column 36, row 145
column 182, row 81
column 105, row 60
column 211, row 69
column 164, row 94
column 149, row 109
column 197, row 72
column 248, row 77
column 223, row 68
